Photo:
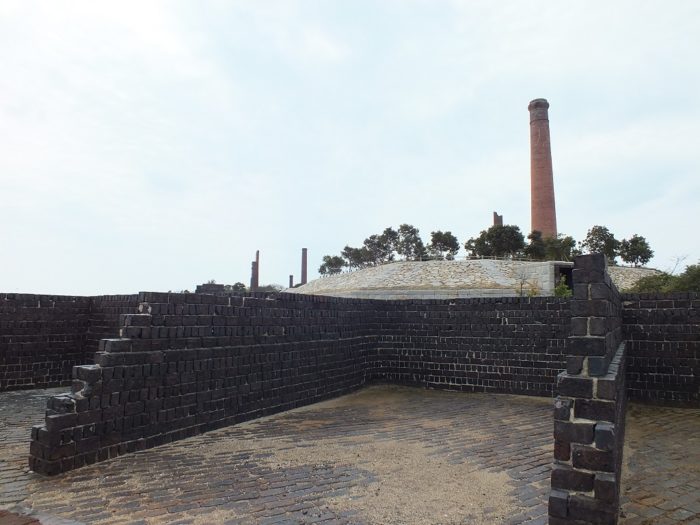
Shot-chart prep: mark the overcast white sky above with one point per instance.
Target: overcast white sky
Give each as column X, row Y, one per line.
column 156, row 145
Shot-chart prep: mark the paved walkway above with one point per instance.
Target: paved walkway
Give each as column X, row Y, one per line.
column 382, row 455
column 661, row 478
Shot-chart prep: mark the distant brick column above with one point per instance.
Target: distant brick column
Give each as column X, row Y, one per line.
column 304, row 265
column 543, row 211
column 253, row 276
column 589, row 414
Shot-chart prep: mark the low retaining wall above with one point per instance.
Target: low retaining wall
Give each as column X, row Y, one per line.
column 42, row 337
column 663, row 345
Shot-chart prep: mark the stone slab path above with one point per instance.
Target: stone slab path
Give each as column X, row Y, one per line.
column 384, row 454
column 661, row 478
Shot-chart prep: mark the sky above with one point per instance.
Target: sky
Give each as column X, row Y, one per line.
column 158, row 145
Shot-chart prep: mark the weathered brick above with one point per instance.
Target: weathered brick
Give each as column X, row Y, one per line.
column 595, row 410
column 567, row 478
column 574, row 386
column 605, row 436
column 592, row 459
column 591, row 510
column 605, row 487
column 558, row 503
column 579, row 432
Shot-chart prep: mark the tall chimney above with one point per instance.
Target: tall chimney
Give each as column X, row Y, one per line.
column 303, row 265
column 253, row 276
column 257, row 269
column 291, row 281
column 543, row 212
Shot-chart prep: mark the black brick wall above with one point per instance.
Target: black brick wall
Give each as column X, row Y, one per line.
column 188, row 363
column 663, row 345
column 42, row 337
column 104, row 318
column 509, row 344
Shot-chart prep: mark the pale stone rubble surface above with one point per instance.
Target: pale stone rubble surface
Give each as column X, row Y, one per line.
column 453, row 279
column 625, row 277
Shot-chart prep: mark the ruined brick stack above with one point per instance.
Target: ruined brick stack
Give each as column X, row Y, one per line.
column 590, row 410
column 188, row 363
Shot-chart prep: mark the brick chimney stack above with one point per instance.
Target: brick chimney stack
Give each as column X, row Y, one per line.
column 303, row 265
column 497, row 219
column 255, row 272
column 543, row 212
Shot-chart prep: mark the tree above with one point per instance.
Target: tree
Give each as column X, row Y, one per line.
column 561, row 248
column 497, row 241
column 332, row 264
column 270, row 288
column 689, row 280
column 660, row 282
column 636, row 250
column 380, row 248
column 536, row 248
column 600, row 240
column 356, row 257
column 238, row 287
column 443, row 245
column 409, row 244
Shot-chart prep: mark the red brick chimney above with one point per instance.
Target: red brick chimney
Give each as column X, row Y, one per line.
column 543, row 211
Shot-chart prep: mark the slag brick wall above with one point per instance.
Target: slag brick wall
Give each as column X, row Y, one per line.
column 42, row 337
column 509, row 344
column 105, row 320
column 189, row 363
column 663, row 346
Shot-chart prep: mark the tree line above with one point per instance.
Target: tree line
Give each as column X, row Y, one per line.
column 507, row 241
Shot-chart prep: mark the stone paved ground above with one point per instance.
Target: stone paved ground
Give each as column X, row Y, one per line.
column 661, row 479
column 382, row 455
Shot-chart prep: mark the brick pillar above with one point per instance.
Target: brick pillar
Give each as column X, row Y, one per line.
column 257, row 269
column 497, row 219
column 253, row 276
column 303, row 265
column 589, row 413
column 543, row 212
